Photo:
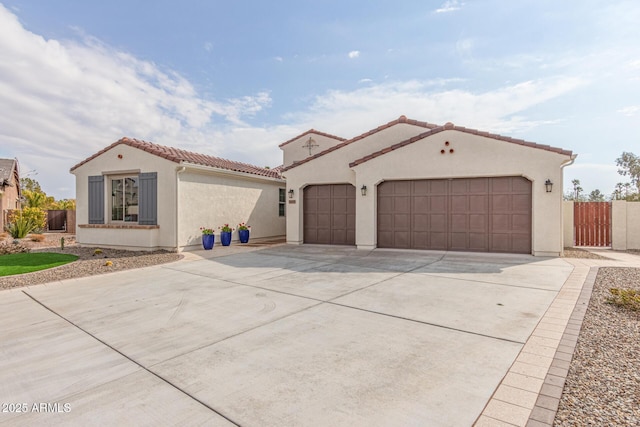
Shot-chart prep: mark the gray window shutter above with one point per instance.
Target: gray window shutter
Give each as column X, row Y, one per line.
column 96, row 199
column 148, row 198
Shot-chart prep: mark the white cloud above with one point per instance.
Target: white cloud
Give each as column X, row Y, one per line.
column 279, row 58
column 208, row 46
column 354, row 54
column 348, row 113
column 64, row 100
column 363, row 81
column 630, row 111
column 449, row 6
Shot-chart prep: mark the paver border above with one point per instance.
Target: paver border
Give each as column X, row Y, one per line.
column 529, row 394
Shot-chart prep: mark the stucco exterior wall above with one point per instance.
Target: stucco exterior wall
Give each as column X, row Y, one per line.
column 210, row 199
column 625, row 224
column 567, row 219
column 473, row 156
column 133, row 161
column 294, row 150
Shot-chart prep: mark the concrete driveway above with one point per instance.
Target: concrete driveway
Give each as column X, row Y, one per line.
column 287, row 335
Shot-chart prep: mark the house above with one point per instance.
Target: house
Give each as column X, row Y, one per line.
column 9, row 189
column 139, row 195
column 415, row 185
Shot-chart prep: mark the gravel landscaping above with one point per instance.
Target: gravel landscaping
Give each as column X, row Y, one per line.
column 580, row 253
column 88, row 263
column 603, row 385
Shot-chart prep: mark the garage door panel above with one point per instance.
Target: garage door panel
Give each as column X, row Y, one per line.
column 459, row 223
column 478, row 222
column 500, row 202
column 478, row 185
column 479, row 214
column 521, row 185
column 478, row 242
column 501, row 185
column 478, row 203
column 401, row 204
column 459, row 203
column 438, row 222
column 401, row 239
column 420, row 222
column 385, row 222
column 521, row 223
column 521, row 202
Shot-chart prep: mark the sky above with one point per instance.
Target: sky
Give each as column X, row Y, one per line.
column 236, row 78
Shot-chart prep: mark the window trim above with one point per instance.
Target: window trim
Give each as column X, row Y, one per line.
column 123, row 177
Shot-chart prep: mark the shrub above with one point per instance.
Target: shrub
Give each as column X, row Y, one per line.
column 12, row 248
column 626, row 298
column 98, row 251
column 25, row 221
column 108, row 264
column 20, row 227
column 37, row 237
column 38, row 216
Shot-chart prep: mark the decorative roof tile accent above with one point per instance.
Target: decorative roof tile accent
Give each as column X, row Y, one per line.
column 401, row 119
column 313, row 131
column 451, row 126
column 178, row 155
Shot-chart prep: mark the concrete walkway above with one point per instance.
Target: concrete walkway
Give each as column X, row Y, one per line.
column 288, row 335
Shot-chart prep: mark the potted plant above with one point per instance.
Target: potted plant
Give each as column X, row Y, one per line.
column 207, row 238
column 243, row 232
column 225, row 234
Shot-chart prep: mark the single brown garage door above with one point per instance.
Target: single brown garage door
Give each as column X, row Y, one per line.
column 471, row 214
column 330, row 214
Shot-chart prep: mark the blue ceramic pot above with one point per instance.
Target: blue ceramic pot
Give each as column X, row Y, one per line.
column 243, row 235
column 225, row 238
column 207, row 241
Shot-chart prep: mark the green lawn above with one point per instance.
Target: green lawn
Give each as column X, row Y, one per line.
column 26, row 263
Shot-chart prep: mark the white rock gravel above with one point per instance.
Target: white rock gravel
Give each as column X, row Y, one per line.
column 603, row 385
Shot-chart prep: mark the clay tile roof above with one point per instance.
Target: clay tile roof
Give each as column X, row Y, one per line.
column 401, row 119
column 179, row 156
column 451, row 126
column 313, row 131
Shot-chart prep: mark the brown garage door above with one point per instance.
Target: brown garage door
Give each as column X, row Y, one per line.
column 474, row 214
column 330, row 214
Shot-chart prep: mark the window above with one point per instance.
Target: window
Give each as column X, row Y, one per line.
column 124, row 199
column 281, row 201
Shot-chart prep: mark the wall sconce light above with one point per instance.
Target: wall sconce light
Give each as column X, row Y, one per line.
column 291, row 193
column 548, row 185
column 363, row 190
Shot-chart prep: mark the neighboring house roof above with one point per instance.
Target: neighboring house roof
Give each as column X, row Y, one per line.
column 182, row 156
column 313, row 131
column 401, row 119
column 432, row 129
column 9, row 169
column 451, row 126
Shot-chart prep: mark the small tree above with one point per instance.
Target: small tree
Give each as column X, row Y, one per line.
column 596, row 196
column 629, row 165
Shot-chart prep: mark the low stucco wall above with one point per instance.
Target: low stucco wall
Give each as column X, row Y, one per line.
column 625, row 221
column 568, row 237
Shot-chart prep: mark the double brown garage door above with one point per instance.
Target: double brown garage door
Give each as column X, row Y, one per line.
column 475, row 214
